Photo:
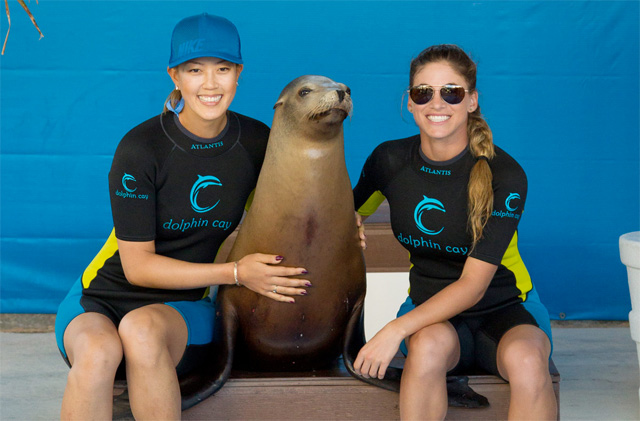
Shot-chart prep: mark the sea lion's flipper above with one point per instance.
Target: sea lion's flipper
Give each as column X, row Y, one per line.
column 199, row 385
column 121, row 407
column 458, row 390
column 461, row 395
column 353, row 342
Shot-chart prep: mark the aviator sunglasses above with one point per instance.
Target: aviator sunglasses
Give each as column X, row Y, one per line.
column 451, row 94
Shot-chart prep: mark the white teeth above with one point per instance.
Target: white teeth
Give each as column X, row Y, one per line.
column 438, row 118
column 210, row 98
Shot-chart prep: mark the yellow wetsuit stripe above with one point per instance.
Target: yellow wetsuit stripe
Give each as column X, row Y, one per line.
column 372, row 203
column 108, row 250
column 410, row 267
column 249, row 200
column 512, row 261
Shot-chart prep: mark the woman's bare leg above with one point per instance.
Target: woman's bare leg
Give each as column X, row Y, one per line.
column 154, row 338
column 433, row 351
column 95, row 352
column 523, row 359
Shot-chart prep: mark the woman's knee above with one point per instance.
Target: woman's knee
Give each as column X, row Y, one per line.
column 434, row 349
column 525, row 363
column 95, row 355
column 142, row 329
column 148, row 333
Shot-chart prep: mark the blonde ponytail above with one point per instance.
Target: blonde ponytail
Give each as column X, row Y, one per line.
column 480, row 189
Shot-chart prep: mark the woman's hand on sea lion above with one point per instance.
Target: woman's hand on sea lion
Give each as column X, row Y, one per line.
column 361, row 234
column 258, row 273
column 376, row 355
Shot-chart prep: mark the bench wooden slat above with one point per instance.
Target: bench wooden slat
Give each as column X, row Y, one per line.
column 333, row 395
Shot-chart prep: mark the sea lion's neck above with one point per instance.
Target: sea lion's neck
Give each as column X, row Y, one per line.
column 302, row 165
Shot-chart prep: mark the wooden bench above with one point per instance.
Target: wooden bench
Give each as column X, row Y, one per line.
column 334, row 394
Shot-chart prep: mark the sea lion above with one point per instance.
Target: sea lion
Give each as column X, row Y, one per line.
column 303, row 210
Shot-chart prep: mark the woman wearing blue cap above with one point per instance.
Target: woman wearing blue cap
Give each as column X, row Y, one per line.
column 179, row 183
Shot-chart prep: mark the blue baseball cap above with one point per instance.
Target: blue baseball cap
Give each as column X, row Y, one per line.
column 204, row 35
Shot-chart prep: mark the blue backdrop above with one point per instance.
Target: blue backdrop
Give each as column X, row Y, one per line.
column 558, row 83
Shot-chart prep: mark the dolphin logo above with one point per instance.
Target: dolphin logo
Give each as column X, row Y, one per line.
column 425, row 205
column 201, row 183
column 128, row 177
column 507, row 202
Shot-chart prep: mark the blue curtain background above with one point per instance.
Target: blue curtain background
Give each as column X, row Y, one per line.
column 558, row 83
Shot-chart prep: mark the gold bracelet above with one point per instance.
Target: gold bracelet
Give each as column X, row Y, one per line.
column 235, row 273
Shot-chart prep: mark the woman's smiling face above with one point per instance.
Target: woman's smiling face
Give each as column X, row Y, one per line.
column 437, row 119
column 208, row 86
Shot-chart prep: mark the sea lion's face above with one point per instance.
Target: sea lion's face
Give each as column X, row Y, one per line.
column 316, row 103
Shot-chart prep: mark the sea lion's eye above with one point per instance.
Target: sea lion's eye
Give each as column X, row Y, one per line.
column 304, row 91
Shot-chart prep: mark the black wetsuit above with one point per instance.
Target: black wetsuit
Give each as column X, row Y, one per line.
column 428, row 211
column 428, row 204
column 186, row 194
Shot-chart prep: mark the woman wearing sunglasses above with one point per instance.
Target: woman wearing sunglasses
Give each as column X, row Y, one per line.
column 456, row 200
column 179, row 183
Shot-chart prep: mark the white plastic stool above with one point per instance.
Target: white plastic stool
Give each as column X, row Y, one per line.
column 630, row 256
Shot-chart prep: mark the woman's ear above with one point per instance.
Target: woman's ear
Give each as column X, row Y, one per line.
column 473, row 103
column 173, row 74
column 239, row 68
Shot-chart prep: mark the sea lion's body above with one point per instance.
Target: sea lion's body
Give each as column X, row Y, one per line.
column 302, row 210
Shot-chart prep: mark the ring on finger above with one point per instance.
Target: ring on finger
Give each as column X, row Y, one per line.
column 275, row 289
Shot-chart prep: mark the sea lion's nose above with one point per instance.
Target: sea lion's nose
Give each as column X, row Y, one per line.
column 340, row 95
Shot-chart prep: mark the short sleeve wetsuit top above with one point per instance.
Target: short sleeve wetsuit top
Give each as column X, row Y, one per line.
column 428, row 210
column 183, row 192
